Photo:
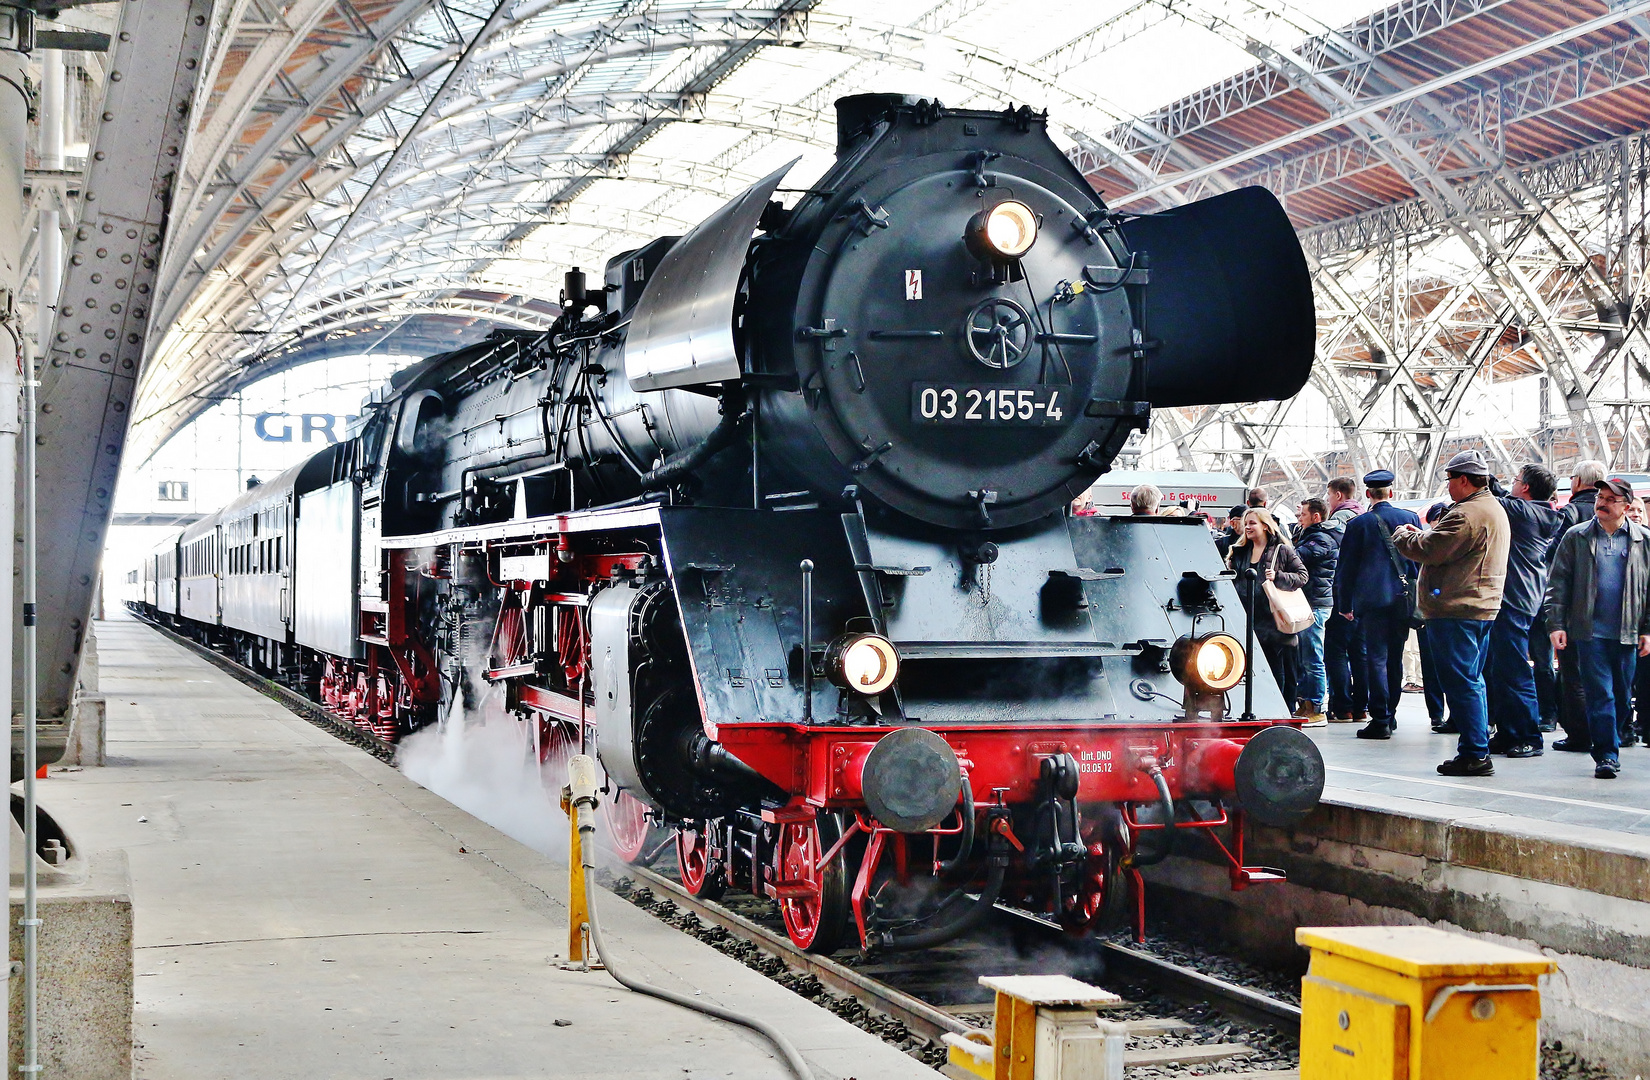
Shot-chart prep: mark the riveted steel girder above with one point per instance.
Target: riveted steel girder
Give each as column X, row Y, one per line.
column 90, row 366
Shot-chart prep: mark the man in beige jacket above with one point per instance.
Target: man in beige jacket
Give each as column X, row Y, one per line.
column 1463, row 561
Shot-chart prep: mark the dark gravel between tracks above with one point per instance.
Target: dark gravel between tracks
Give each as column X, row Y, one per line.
column 886, row 1028
column 1183, row 946
column 1272, row 1048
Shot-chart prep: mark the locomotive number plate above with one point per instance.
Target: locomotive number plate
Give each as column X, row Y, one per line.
column 1029, row 406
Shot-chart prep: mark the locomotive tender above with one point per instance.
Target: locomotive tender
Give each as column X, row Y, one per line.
column 775, row 520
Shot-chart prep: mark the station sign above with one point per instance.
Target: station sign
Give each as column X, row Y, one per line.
column 280, row 427
column 1205, row 491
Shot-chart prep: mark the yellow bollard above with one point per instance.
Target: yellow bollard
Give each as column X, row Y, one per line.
column 577, row 914
column 1415, row 1003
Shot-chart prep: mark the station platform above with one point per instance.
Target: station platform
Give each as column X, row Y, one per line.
column 1555, row 789
column 302, row 909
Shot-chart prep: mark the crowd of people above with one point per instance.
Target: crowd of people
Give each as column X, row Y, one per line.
column 1529, row 618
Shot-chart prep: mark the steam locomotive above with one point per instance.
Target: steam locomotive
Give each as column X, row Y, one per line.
column 775, row 521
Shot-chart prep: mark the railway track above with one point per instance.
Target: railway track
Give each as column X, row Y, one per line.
column 936, row 992
column 285, row 695
column 925, row 995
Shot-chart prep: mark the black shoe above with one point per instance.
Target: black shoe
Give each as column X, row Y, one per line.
column 1500, row 743
column 1630, row 739
column 1445, row 728
column 1462, row 765
column 1523, row 750
column 1570, row 745
column 1607, row 769
column 1547, row 727
column 1375, row 729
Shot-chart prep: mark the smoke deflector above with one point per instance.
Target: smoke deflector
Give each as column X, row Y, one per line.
column 1230, row 301
column 682, row 331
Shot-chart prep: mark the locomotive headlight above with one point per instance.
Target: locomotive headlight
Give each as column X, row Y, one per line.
column 1213, row 662
column 864, row 663
column 1005, row 231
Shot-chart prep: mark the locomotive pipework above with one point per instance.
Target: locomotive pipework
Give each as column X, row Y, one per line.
column 773, row 521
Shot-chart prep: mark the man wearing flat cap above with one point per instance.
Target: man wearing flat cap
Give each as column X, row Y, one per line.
column 1596, row 604
column 1463, row 561
column 1372, row 583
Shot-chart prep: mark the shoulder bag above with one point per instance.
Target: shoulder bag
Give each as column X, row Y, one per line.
column 1291, row 611
column 1412, row 598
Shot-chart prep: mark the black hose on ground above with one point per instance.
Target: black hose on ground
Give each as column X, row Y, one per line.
column 1166, row 807
column 587, row 844
column 735, row 414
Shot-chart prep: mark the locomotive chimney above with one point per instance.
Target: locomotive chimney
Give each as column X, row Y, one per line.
column 573, row 291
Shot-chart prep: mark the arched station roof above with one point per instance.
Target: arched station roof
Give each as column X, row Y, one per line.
column 354, row 163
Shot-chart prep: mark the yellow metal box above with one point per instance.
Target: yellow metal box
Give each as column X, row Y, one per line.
column 1415, row 1003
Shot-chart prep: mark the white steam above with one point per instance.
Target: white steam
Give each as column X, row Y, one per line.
column 488, row 770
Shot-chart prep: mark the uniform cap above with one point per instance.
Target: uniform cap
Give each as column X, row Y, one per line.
column 1380, row 478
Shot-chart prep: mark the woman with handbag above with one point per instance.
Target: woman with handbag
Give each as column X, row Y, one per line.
column 1274, row 595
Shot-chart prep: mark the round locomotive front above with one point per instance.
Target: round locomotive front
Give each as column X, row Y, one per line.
column 964, row 341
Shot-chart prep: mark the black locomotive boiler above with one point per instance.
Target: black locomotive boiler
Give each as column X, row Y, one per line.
column 775, row 519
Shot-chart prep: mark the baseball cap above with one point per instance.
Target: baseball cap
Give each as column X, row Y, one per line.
column 1617, row 485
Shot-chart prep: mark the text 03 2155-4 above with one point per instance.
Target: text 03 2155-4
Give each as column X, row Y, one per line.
column 1033, row 406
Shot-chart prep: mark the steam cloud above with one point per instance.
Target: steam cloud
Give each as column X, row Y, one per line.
column 485, row 766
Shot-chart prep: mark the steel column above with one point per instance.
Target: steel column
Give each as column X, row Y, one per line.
column 91, row 363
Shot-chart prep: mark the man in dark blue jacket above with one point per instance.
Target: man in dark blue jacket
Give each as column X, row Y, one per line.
column 1513, row 704
column 1572, row 696
column 1368, row 587
column 1320, row 549
column 1343, row 639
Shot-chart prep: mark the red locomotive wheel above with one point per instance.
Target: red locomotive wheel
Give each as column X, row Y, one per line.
column 556, row 746
column 817, row 917
column 629, row 832
column 1102, row 902
column 700, row 876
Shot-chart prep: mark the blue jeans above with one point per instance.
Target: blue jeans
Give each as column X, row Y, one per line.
column 1385, row 630
column 1641, row 696
column 1607, row 676
column 1309, row 683
column 1343, row 659
column 1431, row 686
column 1459, row 647
column 1511, row 681
column 1546, row 680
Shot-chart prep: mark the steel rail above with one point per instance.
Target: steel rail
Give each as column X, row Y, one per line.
column 914, row 1013
column 1247, row 1004
column 1178, row 980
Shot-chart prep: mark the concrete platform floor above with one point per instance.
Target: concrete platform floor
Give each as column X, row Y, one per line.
column 302, row 909
column 1557, row 788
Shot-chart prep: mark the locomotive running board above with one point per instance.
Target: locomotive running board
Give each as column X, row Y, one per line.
column 989, row 650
